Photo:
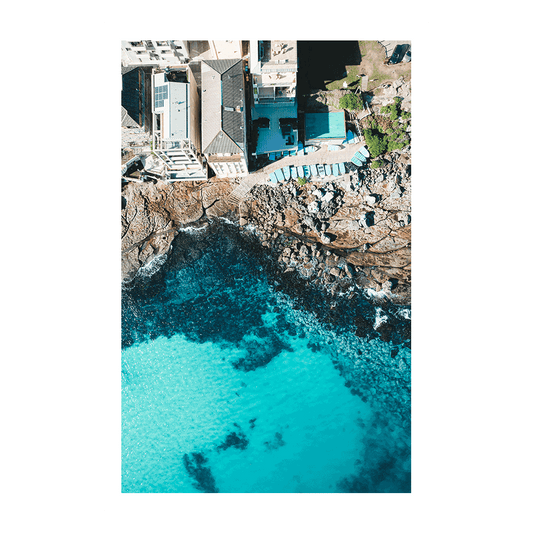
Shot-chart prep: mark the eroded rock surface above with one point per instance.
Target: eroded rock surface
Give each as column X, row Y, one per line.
column 152, row 212
column 355, row 230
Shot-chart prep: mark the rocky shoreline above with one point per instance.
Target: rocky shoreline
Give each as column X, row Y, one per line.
column 352, row 232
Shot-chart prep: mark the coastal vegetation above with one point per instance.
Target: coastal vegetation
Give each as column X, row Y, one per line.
column 387, row 131
column 351, row 101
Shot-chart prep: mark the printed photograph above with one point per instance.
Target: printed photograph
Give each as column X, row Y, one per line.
column 266, row 266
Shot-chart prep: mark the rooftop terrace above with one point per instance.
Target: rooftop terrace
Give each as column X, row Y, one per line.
column 271, row 139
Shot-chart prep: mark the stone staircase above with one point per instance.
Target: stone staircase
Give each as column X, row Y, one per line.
column 241, row 191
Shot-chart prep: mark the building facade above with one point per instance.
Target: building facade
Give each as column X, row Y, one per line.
column 224, row 117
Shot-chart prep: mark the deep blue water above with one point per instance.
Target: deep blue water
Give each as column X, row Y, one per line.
column 237, row 379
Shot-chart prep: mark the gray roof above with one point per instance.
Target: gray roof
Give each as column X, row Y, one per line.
column 221, row 65
column 125, row 70
column 222, row 94
column 126, row 120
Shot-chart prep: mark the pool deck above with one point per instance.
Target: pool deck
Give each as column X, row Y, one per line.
column 322, row 155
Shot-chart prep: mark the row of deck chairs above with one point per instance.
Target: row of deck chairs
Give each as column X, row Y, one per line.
column 360, row 156
column 307, row 171
column 301, row 150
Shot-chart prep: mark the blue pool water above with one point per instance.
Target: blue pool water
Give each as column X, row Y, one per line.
column 235, row 382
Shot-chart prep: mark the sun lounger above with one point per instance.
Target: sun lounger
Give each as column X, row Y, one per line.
column 307, row 171
column 314, row 170
column 321, row 171
column 360, row 156
column 279, row 174
column 286, row 172
column 328, row 170
column 273, row 178
column 356, row 161
column 350, row 137
column 335, row 168
column 301, row 173
column 364, row 151
column 272, row 156
column 342, row 169
column 333, row 147
column 294, row 173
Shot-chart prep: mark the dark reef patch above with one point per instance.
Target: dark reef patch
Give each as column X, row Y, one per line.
column 216, row 284
column 276, row 443
column 386, row 467
column 197, row 469
column 260, row 352
column 234, row 439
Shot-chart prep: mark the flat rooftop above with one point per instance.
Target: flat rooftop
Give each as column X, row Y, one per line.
column 272, row 55
column 271, row 139
column 325, row 125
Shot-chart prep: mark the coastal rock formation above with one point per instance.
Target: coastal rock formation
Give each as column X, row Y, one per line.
column 361, row 235
column 355, row 230
column 153, row 211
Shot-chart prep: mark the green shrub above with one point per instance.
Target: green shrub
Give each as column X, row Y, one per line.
column 374, row 125
column 301, row 181
column 351, row 101
column 406, row 115
column 397, row 100
column 376, row 144
column 389, row 131
column 393, row 145
column 394, row 113
column 395, row 123
column 385, row 110
column 376, row 164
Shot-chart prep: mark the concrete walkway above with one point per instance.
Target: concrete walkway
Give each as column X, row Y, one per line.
column 321, row 156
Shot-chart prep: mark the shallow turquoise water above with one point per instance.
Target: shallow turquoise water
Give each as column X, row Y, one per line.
column 320, row 409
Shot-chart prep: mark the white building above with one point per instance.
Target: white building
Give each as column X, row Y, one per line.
column 154, row 53
column 224, row 117
column 274, row 110
column 176, row 126
column 273, row 65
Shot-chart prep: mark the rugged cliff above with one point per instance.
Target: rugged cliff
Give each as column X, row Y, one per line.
column 153, row 211
column 356, row 230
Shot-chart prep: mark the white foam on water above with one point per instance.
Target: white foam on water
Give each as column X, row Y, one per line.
column 371, row 293
column 380, row 318
column 228, row 221
column 152, row 266
column 405, row 313
column 191, row 229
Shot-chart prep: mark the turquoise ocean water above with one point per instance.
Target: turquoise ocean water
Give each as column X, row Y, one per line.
column 233, row 382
